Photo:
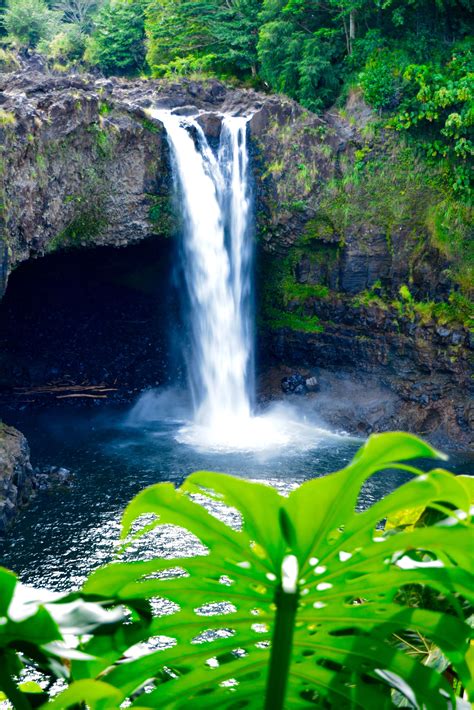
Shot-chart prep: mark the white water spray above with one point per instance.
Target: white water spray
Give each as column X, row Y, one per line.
column 213, row 193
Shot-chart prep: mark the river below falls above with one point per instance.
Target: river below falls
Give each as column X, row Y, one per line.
column 65, row 533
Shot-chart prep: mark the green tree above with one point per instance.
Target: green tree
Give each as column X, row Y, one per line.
column 68, row 45
column 221, row 35
column 177, row 30
column 117, row 43
column 438, row 105
column 78, row 12
column 301, row 50
column 381, row 80
column 29, row 21
column 304, row 48
column 3, row 4
column 235, row 27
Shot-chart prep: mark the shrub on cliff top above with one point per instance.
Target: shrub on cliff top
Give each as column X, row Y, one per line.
column 67, row 45
column 29, row 21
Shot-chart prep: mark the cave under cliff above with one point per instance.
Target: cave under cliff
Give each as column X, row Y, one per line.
column 89, row 325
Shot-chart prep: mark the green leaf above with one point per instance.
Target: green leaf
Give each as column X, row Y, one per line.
column 242, row 630
column 308, row 601
column 30, row 686
column 97, row 695
column 7, row 588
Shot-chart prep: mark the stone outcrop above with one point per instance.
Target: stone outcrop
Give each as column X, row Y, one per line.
column 352, row 284
column 82, row 162
column 390, row 372
column 75, row 171
column 17, row 480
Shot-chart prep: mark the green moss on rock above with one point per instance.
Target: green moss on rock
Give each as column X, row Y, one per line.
column 83, row 229
column 160, row 214
column 285, row 303
column 6, row 118
column 151, row 126
column 276, row 319
column 391, row 189
column 319, row 227
column 103, row 139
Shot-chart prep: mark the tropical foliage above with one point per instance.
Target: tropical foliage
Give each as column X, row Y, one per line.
column 294, row 601
column 117, row 42
column 413, row 60
column 438, row 104
column 29, row 21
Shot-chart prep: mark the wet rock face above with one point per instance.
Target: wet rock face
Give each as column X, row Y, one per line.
column 83, row 164
column 396, row 374
column 17, row 481
column 364, row 264
column 76, row 172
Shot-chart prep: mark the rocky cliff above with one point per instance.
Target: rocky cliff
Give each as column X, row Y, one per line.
column 365, row 273
column 82, row 164
column 357, row 278
column 75, row 171
column 17, row 481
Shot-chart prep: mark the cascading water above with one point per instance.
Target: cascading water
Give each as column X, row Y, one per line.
column 213, row 194
column 217, row 250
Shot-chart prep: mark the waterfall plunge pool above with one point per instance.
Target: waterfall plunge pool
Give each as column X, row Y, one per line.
column 65, row 533
column 113, row 454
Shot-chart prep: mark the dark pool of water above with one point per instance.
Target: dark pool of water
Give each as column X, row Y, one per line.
column 64, row 534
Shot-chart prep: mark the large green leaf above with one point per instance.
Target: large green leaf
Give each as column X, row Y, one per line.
column 97, row 695
column 300, row 606
column 33, row 627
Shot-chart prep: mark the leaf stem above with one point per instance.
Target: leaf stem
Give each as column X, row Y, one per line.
column 281, row 649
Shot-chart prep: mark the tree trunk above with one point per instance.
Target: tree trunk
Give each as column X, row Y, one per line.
column 346, row 32
column 352, row 29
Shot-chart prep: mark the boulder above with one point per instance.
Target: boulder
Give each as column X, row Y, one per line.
column 17, row 480
column 211, row 124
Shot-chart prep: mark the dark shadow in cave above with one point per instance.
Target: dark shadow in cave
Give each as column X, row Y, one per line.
column 101, row 317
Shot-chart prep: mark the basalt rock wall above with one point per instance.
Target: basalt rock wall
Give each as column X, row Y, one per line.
column 352, row 276
column 75, row 170
column 362, row 278
column 83, row 164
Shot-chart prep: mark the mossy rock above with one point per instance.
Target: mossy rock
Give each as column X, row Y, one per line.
column 82, row 230
column 161, row 214
column 319, row 227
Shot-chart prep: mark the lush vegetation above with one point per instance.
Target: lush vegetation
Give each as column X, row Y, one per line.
column 391, row 186
column 290, row 602
column 413, row 60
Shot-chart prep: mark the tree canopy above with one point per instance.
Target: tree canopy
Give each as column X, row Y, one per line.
column 412, row 60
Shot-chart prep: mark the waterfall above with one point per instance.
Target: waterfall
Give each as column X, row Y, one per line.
column 214, row 198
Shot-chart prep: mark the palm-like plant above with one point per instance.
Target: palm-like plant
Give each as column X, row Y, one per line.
column 303, row 601
column 305, row 604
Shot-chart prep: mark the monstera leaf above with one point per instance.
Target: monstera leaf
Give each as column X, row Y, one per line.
column 35, row 626
column 300, row 603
